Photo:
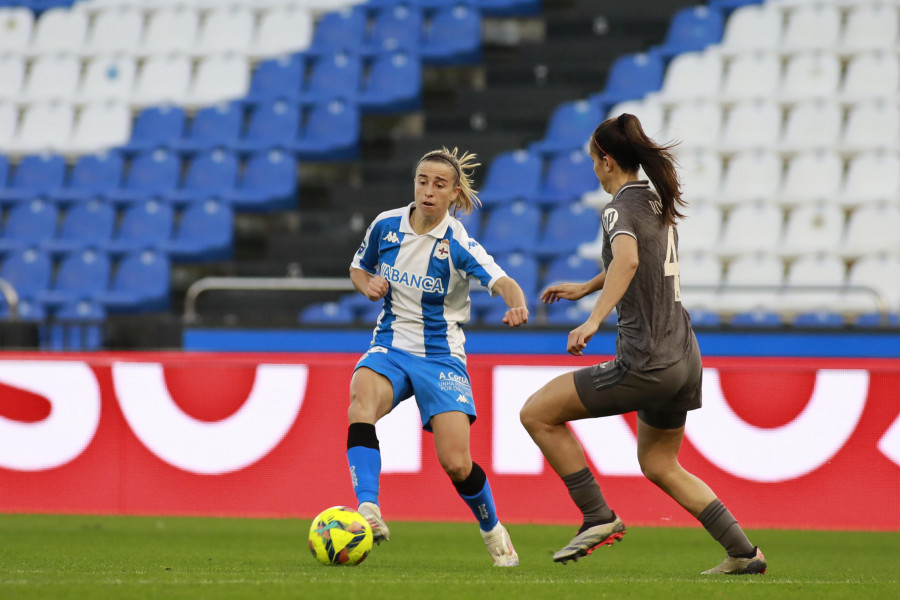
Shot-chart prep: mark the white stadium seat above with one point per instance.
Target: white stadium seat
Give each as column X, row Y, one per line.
column 170, row 31
column 752, row 27
column 699, row 232
column 871, row 76
column 751, row 176
column 812, row 228
column 692, row 75
column 700, row 173
column 45, row 127
column 750, row 125
column 114, row 31
column 161, row 80
column 811, row 75
column 108, row 78
column 100, row 126
column 700, row 274
column 811, row 177
column 870, row 26
column 871, row 176
column 650, row 114
column 752, row 75
column 58, row 30
column 880, row 273
column 218, row 78
column 872, row 229
column 751, row 228
column 52, row 77
column 280, row 31
column 695, row 124
column 823, row 270
column 751, row 282
column 814, row 26
column 872, row 125
column 225, row 30
column 812, row 125
column 12, row 74
column 17, row 25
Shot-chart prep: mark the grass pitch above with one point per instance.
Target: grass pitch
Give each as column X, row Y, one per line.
column 88, row 557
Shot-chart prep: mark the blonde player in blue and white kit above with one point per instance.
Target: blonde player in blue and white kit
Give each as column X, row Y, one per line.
column 418, row 260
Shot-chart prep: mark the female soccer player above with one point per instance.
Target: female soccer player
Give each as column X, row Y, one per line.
column 419, row 260
column 657, row 369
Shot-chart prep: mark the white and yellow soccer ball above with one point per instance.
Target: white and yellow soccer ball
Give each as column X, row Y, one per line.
column 340, row 536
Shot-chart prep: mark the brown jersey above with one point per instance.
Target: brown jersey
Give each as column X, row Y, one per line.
column 654, row 330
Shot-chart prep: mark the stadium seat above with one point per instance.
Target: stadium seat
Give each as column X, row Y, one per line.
column 754, row 175
column 750, row 228
column 45, row 127
column 472, row 223
column 521, row 266
column 878, row 273
column 140, row 283
column 276, row 79
column 88, row 223
column 565, row 313
column 205, row 232
column 567, row 227
column 396, row 27
column 218, row 79
column 18, row 24
column 631, row 77
column 691, row 76
column 115, row 31
column 453, row 36
column 282, row 30
column 12, row 73
column 268, row 182
column 36, row 175
column 107, row 78
column 871, row 229
column 750, row 76
column 812, row 125
column 28, row 224
column 146, row 224
column 272, row 124
column 869, row 27
column 331, row 131
column 511, row 175
column 810, row 177
column 810, row 75
column 4, row 171
column 82, row 275
column 699, row 232
column 694, row 124
column 570, row 127
column 511, row 228
column 819, row 319
column 813, row 283
column 91, row 176
column 161, row 80
column 649, row 113
column 692, row 29
column 700, row 274
column 77, row 326
column 9, row 120
column 568, row 176
column 871, row 176
column 58, row 31
column 700, row 174
column 327, row 313
column 225, row 29
column 339, row 31
column 756, row 318
column 28, row 271
column 751, row 125
column 572, row 268
column 51, row 77
column 871, row 125
column 812, row 26
column 217, row 126
column 751, row 283
column 812, row 228
column 170, row 31
column 99, row 127
column 393, row 84
column 156, row 127
column 871, row 76
column 150, row 174
column 337, row 75
column 209, row 175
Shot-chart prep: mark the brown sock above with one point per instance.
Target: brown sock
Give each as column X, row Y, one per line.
column 725, row 529
column 587, row 496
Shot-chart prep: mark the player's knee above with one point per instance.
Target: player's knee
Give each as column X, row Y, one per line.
column 530, row 416
column 457, row 469
column 654, row 469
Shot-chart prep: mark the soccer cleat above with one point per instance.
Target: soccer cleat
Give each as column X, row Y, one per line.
column 380, row 531
column 500, row 546
column 741, row 566
column 585, row 542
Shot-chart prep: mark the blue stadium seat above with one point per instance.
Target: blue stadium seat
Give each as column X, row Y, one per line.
column 28, row 224
column 156, row 127
column 36, row 175
column 493, row 315
column 335, row 75
column 874, row 319
column 209, row 175
column 472, row 223
column 631, row 77
column 393, row 85
column 568, row 226
column 84, row 224
column 152, row 174
column 273, row 124
column 454, row 36
column 701, row 317
column 511, row 228
column 212, row 127
column 277, row 78
column 572, row 268
column 77, row 326
column 27, row 310
column 568, row 176
column 570, row 127
column 4, row 170
column 364, row 310
column 327, row 313
column 92, row 176
column 205, row 232
column 146, row 224
column 81, row 275
column 819, row 320
column 269, row 182
column 756, row 319
column 28, row 271
column 511, row 176
column 140, row 283
column 509, row 8
column 728, row 6
column 565, row 313
column 395, row 27
column 342, row 30
column 520, row 266
column 331, row 132
column 692, row 29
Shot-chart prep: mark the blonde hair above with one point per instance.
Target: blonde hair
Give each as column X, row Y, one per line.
column 467, row 199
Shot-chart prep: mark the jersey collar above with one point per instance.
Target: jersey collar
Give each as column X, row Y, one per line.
column 639, row 184
column 439, row 231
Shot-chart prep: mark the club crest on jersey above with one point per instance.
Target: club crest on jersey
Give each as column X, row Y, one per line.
column 442, row 249
column 610, row 217
column 391, row 238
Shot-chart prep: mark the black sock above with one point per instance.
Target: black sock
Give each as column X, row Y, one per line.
column 362, row 434
column 720, row 524
column 586, row 494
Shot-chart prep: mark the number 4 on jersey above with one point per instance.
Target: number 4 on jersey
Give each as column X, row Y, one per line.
column 671, row 268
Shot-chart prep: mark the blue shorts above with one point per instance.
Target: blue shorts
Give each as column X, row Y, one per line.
column 440, row 384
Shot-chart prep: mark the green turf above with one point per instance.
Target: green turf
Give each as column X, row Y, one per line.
column 87, row 557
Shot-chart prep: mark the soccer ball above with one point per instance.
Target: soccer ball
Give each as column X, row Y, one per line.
column 340, row 536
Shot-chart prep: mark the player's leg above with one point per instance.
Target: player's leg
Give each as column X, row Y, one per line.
column 451, row 443
column 658, row 456
column 371, row 397
column 544, row 416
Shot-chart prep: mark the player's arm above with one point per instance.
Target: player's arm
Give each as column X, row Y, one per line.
column 618, row 277
column 512, row 294
column 573, row 291
column 373, row 287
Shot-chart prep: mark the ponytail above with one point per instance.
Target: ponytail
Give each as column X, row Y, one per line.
column 624, row 140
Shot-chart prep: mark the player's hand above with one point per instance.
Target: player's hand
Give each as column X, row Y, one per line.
column 378, row 287
column 516, row 316
column 579, row 337
column 562, row 291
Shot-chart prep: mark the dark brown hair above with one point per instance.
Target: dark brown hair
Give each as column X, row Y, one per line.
column 624, row 140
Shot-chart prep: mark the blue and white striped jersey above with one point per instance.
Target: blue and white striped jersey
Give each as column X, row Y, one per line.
column 429, row 277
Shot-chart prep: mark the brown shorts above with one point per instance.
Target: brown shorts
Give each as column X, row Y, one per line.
column 661, row 397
